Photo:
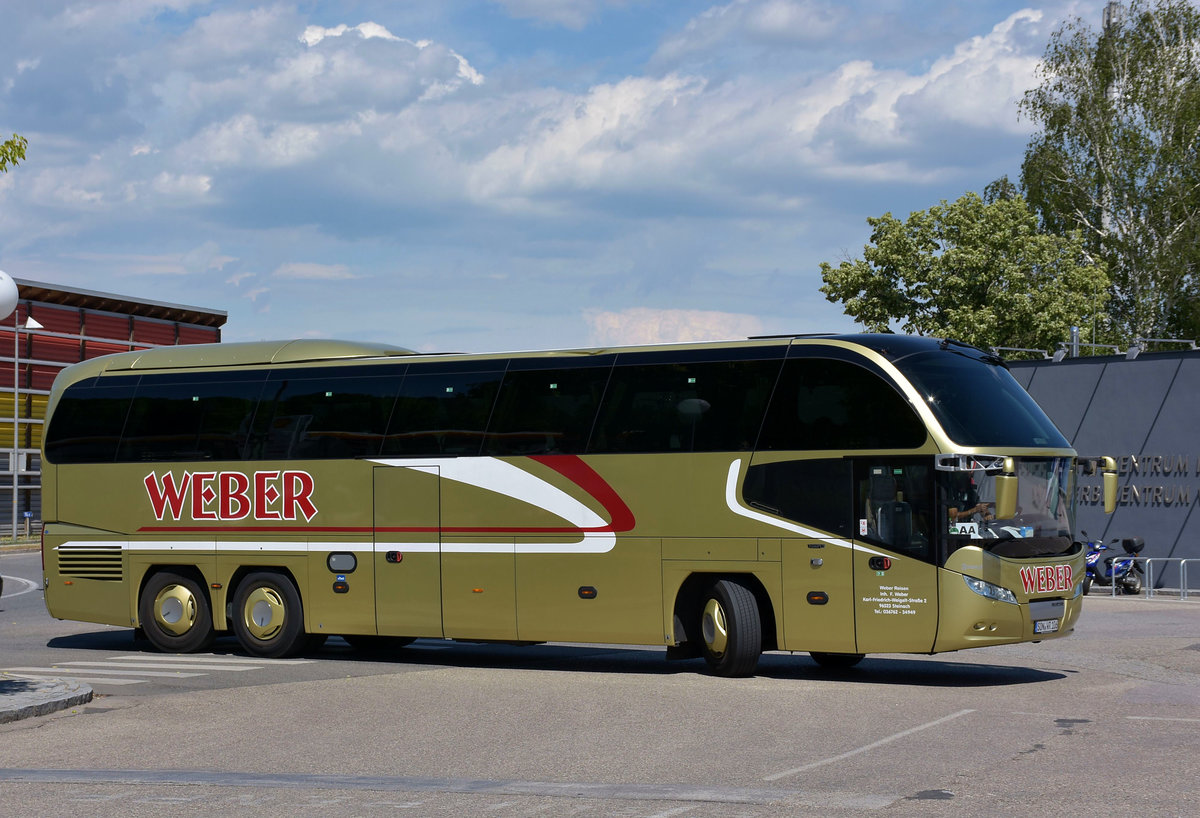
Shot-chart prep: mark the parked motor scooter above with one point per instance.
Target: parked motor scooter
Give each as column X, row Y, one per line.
column 1112, row 568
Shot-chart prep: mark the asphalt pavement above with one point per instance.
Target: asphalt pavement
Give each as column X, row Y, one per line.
column 23, row 698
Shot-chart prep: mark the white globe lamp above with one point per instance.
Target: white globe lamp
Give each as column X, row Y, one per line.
column 8, row 295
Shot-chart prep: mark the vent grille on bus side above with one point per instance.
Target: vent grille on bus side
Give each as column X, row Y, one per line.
column 90, row 562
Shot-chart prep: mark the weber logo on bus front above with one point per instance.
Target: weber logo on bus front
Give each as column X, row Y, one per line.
column 1046, row 579
column 232, row 495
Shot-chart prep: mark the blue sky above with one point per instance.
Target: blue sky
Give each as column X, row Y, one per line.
column 477, row 175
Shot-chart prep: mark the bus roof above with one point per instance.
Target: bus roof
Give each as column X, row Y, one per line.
column 276, row 353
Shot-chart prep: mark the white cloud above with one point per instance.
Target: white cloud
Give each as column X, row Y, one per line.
column 70, row 187
column 132, row 263
column 112, row 13
column 570, row 14
column 189, row 185
column 980, row 83
column 314, row 34
column 243, row 140
column 313, row 272
column 757, row 22
column 620, row 135
column 260, row 299
column 207, row 256
column 644, row 325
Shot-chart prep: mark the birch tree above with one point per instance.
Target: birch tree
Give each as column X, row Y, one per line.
column 1118, row 157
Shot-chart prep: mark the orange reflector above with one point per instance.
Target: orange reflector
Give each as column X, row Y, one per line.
column 68, row 582
column 477, row 590
column 216, row 586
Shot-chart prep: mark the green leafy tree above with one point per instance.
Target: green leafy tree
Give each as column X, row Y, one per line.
column 12, row 152
column 979, row 272
column 1118, row 157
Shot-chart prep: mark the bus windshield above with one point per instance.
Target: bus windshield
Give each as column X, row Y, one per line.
column 977, row 401
column 1045, row 512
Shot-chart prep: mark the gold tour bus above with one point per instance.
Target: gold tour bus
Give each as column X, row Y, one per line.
column 840, row 495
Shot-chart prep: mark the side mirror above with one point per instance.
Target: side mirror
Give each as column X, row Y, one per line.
column 1006, row 491
column 1110, row 485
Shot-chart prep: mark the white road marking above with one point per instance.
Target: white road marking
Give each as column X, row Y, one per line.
column 61, row 671
column 164, row 666
column 29, row 585
column 865, row 748
column 148, row 666
column 94, row 680
column 202, row 658
column 1133, row 718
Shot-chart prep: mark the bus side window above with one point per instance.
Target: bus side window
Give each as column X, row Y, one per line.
column 705, row 406
column 192, row 417
column 828, row 404
column 546, row 411
column 87, row 422
column 337, row 415
column 894, row 505
column 441, row 412
column 818, row 493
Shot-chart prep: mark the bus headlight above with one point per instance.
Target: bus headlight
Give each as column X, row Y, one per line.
column 990, row 591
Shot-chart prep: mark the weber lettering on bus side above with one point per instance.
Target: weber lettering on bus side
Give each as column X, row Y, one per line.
column 230, row 496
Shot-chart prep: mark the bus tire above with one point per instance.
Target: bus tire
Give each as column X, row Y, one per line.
column 174, row 612
column 730, row 628
column 267, row 616
column 836, row 661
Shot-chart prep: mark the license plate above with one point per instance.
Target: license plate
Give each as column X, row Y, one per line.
column 1045, row 626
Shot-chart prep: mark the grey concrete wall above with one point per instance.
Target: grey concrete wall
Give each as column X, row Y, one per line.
column 1145, row 413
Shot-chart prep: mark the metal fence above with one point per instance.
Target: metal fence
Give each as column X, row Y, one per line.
column 1166, row 562
column 1149, row 591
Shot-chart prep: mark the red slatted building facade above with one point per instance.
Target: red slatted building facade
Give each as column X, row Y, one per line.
column 76, row 325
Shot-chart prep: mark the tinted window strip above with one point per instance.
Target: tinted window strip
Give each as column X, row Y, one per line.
column 565, row 363
column 697, row 356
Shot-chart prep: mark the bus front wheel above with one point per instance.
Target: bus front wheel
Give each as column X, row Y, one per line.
column 174, row 612
column 731, row 629
column 267, row 616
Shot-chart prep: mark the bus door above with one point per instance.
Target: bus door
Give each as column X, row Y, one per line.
column 895, row 578
column 817, row 567
column 408, row 570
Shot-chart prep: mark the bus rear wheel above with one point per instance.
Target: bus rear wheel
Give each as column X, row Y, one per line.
column 267, row 616
column 174, row 612
column 731, row 629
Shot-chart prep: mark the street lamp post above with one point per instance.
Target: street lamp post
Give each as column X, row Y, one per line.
column 30, row 324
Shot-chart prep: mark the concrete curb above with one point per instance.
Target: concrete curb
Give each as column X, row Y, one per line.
column 22, row 698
